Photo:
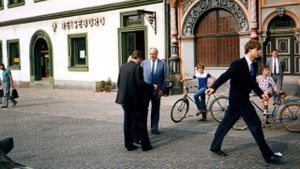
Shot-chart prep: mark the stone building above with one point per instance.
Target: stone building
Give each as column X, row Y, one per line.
column 214, row 32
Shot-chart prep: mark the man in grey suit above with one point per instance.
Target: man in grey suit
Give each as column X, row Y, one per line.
column 155, row 73
column 277, row 67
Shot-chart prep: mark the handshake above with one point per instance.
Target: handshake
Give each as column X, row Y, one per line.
column 157, row 90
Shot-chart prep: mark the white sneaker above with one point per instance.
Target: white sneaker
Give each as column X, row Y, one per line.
column 278, row 154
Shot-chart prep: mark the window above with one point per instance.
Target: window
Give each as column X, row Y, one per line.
column 217, row 41
column 1, row 4
column 78, row 52
column 1, row 53
column 131, row 19
column 13, row 54
column 282, row 22
column 15, row 3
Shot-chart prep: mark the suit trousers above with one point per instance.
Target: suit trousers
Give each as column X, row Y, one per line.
column 155, row 108
column 135, row 127
column 278, row 81
column 253, row 122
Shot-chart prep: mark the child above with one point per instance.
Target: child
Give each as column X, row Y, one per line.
column 202, row 82
column 267, row 85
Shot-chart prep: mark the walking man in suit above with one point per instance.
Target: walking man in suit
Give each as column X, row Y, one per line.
column 277, row 67
column 155, row 73
column 130, row 95
column 242, row 79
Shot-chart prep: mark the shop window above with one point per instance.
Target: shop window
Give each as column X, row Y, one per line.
column 78, row 56
column 13, row 54
column 15, row 3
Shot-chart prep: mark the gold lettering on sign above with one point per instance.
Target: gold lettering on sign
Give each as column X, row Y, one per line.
column 83, row 23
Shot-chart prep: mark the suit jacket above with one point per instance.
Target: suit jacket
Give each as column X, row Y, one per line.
column 281, row 64
column 161, row 74
column 241, row 83
column 131, row 86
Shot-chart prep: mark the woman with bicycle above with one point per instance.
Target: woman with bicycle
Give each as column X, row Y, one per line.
column 199, row 96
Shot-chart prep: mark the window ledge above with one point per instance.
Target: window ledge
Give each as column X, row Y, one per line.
column 15, row 5
column 78, row 68
column 35, row 1
column 15, row 67
column 1, row 7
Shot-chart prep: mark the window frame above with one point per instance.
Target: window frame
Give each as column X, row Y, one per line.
column 13, row 67
column 74, row 67
column 123, row 16
column 12, row 5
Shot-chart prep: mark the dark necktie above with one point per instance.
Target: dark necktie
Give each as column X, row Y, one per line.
column 252, row 69
column 152, row 70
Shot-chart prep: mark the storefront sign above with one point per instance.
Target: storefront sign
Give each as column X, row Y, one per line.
column 81, row 23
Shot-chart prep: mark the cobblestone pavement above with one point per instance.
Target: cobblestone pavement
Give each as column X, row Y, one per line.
column 69, row 129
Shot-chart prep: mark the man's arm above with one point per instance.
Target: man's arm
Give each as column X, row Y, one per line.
column 11, row 80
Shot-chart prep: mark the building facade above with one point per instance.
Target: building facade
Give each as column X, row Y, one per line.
column 214, row 32
column 74, row 44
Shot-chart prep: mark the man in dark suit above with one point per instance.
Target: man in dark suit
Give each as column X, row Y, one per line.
column 155, row 73
column 130, row 95
column 242, row 80
column 277, row 67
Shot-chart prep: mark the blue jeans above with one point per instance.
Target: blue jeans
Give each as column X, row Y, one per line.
column 6, row 94
column 200, row 103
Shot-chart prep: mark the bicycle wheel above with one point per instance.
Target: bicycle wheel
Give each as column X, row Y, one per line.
column 218, row 107
column 179, row 110
column 289, row 117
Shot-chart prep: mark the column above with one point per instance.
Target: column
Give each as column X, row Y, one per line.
column 253, row 18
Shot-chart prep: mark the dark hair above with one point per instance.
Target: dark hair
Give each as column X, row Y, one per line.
column 263, row 68
column 274, row 50
column 136, row 54
column 200, row 65
column 252, row 44
column 1, row 64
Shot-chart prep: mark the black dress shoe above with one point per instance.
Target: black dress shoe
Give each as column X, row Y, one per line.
column 276, row 157
column 203, row 119
column 4, row 107
column 219, row 152
column 147, row 148
column 131, row 148
column 155, row 133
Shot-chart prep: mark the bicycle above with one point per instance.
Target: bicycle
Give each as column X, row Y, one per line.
column 180, row 108
column 288, row 115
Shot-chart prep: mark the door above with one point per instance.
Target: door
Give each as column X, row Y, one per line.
column 41, row 60
column 134, row 40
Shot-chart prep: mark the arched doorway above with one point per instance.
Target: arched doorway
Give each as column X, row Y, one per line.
column 41, row 60
column 216, row 39
column 41, row 67
column 281, row 36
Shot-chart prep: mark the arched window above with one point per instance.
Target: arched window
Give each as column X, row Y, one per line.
column 281, row 22
column 217, row 41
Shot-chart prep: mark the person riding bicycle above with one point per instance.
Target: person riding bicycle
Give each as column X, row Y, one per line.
column 268, row 86
column 203, row 78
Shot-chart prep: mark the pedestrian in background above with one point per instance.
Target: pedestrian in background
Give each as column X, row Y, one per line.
column 277, row 67
column 155, row 73
column 131, row 87
column 242, row 75
column 7, row 83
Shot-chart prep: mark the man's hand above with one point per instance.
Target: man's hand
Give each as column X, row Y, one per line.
column 265, row 96
column 209, row 91
column 155, row 86
column 160, row 93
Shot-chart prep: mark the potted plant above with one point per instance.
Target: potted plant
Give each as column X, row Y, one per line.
column 105, row 85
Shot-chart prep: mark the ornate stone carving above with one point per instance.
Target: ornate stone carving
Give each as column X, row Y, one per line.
column 204, row 5
column 245, row 2
column 186, row 4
